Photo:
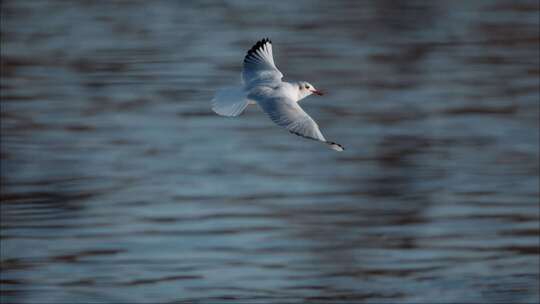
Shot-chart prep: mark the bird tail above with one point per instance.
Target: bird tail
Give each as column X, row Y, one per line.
column 230, row 101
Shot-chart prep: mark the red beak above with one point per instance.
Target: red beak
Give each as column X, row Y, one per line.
column 317, row 92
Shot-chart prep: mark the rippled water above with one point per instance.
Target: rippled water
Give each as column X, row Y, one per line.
column 120, row 185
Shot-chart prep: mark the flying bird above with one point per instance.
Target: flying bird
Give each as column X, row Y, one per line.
column 262, row 85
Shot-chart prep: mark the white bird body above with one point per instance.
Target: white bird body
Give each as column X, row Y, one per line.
column 262, row 85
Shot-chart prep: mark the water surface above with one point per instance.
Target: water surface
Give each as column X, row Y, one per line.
column 120, row 185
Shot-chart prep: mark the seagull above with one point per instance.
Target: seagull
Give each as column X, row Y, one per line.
column 262, row 85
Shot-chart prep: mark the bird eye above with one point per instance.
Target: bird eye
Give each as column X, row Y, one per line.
column 307, row 86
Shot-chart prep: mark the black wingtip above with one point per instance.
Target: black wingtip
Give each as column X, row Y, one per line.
column 258, row 45
column 335, row 143
column 330, row 143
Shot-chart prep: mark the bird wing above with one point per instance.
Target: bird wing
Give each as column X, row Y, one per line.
column 259, row 66
column 287, row 113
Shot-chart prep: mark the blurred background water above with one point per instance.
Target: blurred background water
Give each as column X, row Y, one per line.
column 120, row 185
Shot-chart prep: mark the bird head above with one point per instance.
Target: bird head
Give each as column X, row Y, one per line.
column 305, row 89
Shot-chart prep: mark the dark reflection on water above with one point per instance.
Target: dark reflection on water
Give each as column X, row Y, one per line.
column 120, row 185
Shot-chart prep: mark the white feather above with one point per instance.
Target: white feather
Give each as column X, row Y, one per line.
column 287, row 113
column 230, row 101
column 259, row 67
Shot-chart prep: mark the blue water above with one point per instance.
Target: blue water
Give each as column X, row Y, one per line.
column 119, row 185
